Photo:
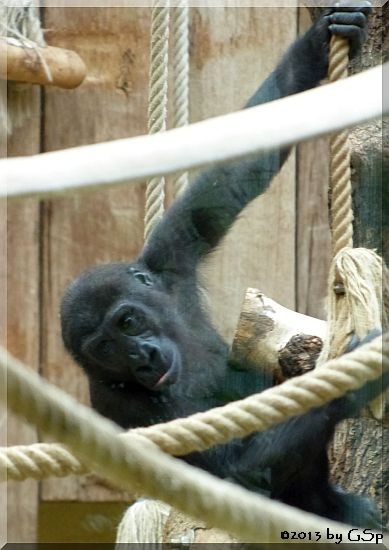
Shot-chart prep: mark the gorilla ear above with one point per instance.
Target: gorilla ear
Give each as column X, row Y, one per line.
column 141, row 276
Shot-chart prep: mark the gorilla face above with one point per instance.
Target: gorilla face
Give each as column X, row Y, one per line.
column 120, row 327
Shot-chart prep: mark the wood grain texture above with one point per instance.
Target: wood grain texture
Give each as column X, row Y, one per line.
column 359, row 458
column 23, row 327
column 313, row 232
column 313, row 254
column 3, row 325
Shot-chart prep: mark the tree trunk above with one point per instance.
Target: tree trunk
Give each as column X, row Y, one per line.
column 358, row 453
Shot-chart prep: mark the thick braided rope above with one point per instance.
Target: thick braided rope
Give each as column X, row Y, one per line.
column 200, row 431
column 355, row 283
column 135, row 465
column 340, row 172
column 155, row 189
column 180, row 91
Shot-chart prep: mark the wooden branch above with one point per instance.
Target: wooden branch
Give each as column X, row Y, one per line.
column 36, row 65
column 276, row 124
column 275, row 338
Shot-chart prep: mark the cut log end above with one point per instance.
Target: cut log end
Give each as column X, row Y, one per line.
column 299, row 355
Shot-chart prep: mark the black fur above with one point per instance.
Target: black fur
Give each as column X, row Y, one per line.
column 147, row 346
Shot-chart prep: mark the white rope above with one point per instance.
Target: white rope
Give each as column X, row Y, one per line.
column 342, row 104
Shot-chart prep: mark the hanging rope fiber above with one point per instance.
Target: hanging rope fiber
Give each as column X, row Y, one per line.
column 358, row 281
column 20, row 22
column 137, row 465
column 216, row 426
column 155, row 189
column 180, row 91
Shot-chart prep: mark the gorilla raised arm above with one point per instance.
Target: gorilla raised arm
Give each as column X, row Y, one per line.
column 149, row 351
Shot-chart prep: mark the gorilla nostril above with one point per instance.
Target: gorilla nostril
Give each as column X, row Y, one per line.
column 153, row 354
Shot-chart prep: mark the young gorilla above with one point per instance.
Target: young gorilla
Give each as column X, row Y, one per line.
column 148, row 348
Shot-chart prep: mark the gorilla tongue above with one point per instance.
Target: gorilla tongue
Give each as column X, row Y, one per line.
column 161, row 381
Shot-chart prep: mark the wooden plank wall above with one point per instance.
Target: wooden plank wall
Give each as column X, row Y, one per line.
column 23, row 310
column 313, row 242
column 232, row 50
column 3, row 323
column 255, row 253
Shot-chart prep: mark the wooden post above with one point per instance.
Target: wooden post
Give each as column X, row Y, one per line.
column 358, row 452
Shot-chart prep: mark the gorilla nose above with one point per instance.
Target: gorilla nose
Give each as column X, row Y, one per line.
column 146, row 356
column 149, row 352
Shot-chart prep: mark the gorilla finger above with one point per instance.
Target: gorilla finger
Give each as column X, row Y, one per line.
column 364, row 7
column 354, row 34
column 348, row 18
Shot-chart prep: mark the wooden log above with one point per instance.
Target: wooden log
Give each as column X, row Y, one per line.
column 35, row 65
column 275, row 338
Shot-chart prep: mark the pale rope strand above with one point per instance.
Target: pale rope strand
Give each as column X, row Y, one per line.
column 340, row 172
column 181, row 78
column 155, row 189
column 203, row 430
column 19, row 21
column 22, row 21
column 135, row 465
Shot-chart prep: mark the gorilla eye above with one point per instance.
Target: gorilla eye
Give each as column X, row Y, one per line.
column 141, row 277
column 131, row 323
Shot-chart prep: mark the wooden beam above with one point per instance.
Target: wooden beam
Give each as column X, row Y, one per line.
column 276, row 124
column 35, row 65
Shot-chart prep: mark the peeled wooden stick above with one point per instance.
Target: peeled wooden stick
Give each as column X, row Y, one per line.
column 35, row 65
column 275, row 338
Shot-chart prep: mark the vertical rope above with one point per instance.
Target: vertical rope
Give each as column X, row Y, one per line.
column 355, row 294
column 181, row 77
column 340, row 172
column 155, row 189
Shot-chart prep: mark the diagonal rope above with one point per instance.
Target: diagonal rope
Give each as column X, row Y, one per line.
column 155, row 189
column 216, row 426
column 181, row 77
column 135, row 465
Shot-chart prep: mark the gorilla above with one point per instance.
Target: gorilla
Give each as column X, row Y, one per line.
column 141, row 334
